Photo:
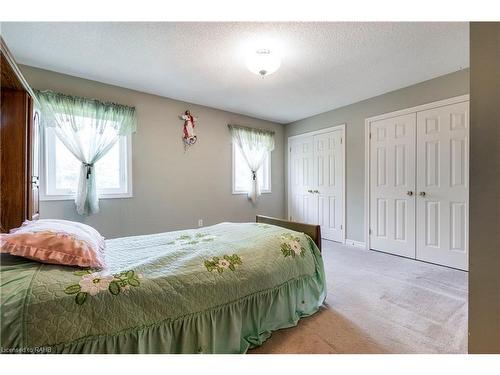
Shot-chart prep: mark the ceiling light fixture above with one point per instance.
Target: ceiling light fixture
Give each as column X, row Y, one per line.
column 263, row 62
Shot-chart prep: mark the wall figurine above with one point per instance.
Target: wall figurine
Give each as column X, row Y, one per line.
column 188, row 135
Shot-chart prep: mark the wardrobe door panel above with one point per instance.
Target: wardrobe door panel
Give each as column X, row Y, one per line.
column 442, row 185
column 303, row 203
column 392, row 185
column 14, row 145
column 328, row 167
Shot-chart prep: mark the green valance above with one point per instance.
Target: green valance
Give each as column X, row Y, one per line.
column 56, row 106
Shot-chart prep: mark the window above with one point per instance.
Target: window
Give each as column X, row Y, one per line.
column 62, row 169
column 241, row 173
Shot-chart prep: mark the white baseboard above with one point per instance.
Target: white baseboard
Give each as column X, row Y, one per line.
column 359, row 244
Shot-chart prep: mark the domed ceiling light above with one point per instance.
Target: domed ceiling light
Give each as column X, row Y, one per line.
column 263, row 62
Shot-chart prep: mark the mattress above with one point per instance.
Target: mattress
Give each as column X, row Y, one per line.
column 217, row 289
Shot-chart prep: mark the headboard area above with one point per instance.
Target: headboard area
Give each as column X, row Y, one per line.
column 313, row 231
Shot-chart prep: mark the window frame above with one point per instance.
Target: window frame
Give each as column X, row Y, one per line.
column 125, row 191
column 267, row 168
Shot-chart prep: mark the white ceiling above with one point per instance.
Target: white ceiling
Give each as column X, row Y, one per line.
column 324, row 65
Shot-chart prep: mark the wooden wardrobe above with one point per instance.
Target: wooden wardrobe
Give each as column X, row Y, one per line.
column 19, row 146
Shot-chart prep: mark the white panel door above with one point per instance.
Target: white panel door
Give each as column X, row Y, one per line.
column 303, row 203
column 442, row 185
column 392, row 185
column 328, row 178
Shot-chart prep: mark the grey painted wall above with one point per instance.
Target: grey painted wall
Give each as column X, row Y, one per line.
column 354, row 116
column 172, row 188
column 484, row 198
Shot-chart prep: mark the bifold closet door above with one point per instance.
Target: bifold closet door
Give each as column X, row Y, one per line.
column 303, row 204
column 316, row 182
column 392, row 185
column 442, row 185
column 328, row 178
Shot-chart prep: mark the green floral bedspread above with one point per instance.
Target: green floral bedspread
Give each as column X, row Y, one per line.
column 149, row 279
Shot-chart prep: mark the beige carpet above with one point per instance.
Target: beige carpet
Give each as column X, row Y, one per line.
column 380, row 303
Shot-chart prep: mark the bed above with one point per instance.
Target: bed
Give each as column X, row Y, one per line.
column 217, row 289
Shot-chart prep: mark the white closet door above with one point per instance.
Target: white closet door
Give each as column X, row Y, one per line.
column 442, row 185
column 303, row 203
column 392, row 185
column 328, row 177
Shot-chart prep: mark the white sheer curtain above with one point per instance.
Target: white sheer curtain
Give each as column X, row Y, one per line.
column 254, row 145
column 89, row 129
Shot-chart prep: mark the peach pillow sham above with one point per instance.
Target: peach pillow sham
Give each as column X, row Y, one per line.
column 56, row 242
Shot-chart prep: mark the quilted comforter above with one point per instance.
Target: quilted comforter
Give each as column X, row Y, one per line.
column 219, row 289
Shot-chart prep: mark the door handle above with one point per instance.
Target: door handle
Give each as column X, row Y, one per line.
column 316, row 191
column 310, row 191
column 409, row 193
column 422, row 193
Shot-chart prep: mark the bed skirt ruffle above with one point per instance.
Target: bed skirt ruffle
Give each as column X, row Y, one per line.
column 231, row 328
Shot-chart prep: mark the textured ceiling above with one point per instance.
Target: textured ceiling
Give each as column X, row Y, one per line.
column 324, row 65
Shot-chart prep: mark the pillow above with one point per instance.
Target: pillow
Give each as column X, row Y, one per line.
column 57, row 242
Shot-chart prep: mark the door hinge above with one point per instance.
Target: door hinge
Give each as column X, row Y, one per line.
column 341, row 226
column 340, row 140
column 370, row 135
column 370, row 231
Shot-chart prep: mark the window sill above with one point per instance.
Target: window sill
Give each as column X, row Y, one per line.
column 49, row 198
column 246, row 192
